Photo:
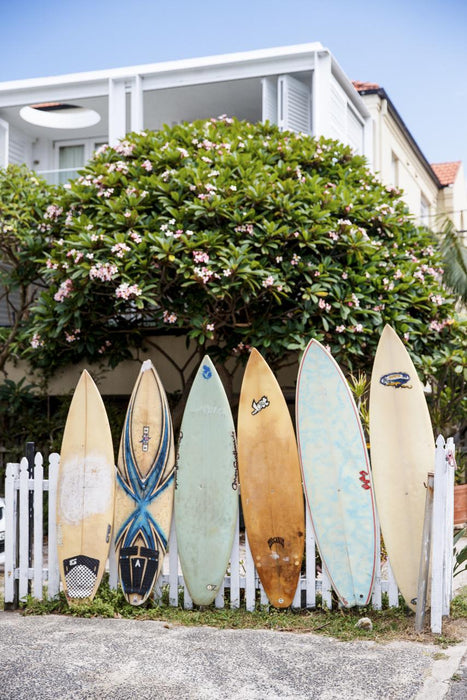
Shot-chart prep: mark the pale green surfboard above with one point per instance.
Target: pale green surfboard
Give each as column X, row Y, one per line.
column 206, row 492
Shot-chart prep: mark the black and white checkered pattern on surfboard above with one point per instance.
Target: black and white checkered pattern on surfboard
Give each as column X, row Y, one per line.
column 80, row 576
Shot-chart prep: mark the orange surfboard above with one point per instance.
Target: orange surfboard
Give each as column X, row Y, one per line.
column 270, row 482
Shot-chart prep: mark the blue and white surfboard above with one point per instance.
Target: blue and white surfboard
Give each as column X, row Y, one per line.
column 145, row 486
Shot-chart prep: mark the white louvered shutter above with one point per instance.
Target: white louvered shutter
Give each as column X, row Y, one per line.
column 337, row 113
column 354, row 131
column 3, row 143
column 294, row 105
column 269, row 98
column 16, row 149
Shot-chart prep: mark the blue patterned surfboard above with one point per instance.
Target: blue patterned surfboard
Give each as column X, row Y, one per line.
column 145, row 484
column 336, row 475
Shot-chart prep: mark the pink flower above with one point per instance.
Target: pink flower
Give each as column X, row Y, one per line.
column 210, row 327
column 340, row 329
column 200, row 256
column 120, row 249
column 203, row 273
column 135, row 237
column 127, row 291
column 64, row 290
column 36, row 341
column 268, row 282
column 147, row 165
column 168, row 317
column 103, row 271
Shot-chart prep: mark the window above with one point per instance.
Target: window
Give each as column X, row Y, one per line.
column 424, row 211
column 395, row 170
column 70, row 156
column 70, row 159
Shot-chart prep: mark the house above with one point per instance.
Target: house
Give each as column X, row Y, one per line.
column 432, row 192
column 452, row 197
column 54, row 124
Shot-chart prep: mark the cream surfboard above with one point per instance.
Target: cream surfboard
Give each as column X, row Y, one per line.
column 145, row 483
column 270, row 482
column 402, row 454
column 85, row 493
column 206, row 492
column 336, row 475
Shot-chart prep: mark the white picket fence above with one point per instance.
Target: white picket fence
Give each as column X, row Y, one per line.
column 41, row 578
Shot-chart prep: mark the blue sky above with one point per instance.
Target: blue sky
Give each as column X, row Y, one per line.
column 415, row 49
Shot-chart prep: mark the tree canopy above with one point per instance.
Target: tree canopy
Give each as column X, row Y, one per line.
column 24, row 198
column 236, row 234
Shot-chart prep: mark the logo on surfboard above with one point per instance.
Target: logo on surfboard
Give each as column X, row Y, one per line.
column 398, row 380
column 364, row 478
column 145, row 439
column 259, row 405
column 206, row 372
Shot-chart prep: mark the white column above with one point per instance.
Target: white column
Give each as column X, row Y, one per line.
column 137, row 109
column 321, row 88
column 117, row 110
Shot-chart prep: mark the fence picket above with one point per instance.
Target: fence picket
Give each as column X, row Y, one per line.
column 438, row 536
column 326, row 591
column 53, row 583
column 250, row 583
column 11, row 505
column 310, row 561
column 173, row 564
column 449, row 525
column 38, row 537
column 376, row 597
column 24, row 529
column 235, row 568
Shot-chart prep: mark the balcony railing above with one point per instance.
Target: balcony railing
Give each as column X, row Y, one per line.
column 59, row 176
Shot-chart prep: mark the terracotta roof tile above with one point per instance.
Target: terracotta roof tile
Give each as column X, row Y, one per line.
column 362, row 86
column 446, row 172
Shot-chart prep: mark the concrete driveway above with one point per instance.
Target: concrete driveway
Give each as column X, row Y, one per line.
column 57, row 658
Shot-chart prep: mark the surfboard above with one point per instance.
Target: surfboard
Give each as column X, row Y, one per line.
column 85, row 493
column 206, row 492
column 336, row 475
column 145, row 484
column 270, row 482
column 402, row 454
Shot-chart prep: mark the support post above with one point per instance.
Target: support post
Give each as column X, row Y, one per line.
column 424, row 556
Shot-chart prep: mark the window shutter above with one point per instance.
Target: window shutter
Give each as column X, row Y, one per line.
column 269, row 96
column 354, row 131
column 337, row 116
column 294, row 105
column 3, row 143
column 16, row 149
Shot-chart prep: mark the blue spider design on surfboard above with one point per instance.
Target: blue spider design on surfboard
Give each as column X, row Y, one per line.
column 145, row 485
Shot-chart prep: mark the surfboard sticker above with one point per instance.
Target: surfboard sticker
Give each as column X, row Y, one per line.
column 80, row 576
column 398, row 380
column 144, row 493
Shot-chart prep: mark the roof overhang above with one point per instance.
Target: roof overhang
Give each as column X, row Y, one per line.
column 263, row 62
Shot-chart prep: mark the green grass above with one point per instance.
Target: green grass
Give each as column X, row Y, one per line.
column 388, row 623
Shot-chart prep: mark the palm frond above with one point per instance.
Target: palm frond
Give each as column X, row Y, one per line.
column 454, row 254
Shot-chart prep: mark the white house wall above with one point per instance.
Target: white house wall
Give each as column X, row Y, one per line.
column 395, row 162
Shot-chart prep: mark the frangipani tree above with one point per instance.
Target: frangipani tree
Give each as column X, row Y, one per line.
column 236, row 234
